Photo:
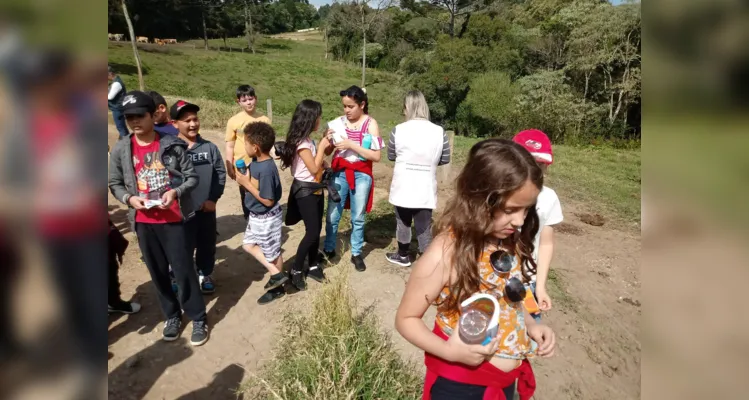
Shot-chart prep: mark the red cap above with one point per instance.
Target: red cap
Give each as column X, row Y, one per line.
column 537, row 143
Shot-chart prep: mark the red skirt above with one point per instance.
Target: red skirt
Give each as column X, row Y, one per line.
column 484, row 374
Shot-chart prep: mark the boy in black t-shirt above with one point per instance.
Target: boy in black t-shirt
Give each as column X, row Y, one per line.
column 262, row 239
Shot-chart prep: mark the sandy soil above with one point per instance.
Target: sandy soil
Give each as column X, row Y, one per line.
column 596, row 317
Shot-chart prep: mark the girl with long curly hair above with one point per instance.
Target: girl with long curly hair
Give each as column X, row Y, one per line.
column 491, row 216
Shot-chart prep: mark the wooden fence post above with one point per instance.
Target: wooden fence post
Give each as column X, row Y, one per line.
column 446, row 169
column 269, row 109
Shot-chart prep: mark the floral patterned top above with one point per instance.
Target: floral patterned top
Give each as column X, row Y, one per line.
column 514, row 342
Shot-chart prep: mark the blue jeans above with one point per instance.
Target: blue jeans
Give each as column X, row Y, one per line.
column 359, row 197
column 119, row 123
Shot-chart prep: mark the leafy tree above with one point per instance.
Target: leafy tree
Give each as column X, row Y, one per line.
column 454, row 8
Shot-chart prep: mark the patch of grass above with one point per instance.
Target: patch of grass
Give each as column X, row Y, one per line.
column 605, row 179
column 556, row 288
column 333, row 352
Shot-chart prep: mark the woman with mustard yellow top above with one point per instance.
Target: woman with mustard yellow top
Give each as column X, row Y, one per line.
column 492, row 211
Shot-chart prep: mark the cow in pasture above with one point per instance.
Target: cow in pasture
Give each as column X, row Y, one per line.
column 141, row 39
column 118, row 36
column 158, row 41
column 111, row 36
column 170, row 41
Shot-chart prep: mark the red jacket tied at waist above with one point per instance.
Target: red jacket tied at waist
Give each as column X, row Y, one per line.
column 341, row 164
column 483, row 375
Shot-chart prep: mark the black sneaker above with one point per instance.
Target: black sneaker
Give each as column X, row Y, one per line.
column 124, row 307
column 395, row 258
column 297, row 279
column 315, row 272
column 328, row 255
column 359, row 263
column 199, row 333
column 172, row 329
column 275, row 281
column 271, row 295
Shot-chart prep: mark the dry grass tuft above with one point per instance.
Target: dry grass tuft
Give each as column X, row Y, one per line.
column 330, row 351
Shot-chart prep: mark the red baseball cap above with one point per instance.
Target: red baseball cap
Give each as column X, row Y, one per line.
column 537, row 143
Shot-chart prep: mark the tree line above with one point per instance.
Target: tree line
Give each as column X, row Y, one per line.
column 492, row 67
column 191, row 19
column 488, row 67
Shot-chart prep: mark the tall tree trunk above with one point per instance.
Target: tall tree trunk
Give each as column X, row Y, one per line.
column 587, row 83
column 453, row 10
column 135, row 46
column 205, row 31
column 364, row 58
column 325, row 36
column 247, row 26
column 252, row 32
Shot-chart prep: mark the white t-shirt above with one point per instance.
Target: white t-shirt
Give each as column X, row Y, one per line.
column 549, row 213
column 298, row 168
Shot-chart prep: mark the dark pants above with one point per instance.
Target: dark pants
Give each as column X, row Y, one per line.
column 311, row 209
column 113, row 276
column 445, row 389
column 201, row 240
column 76, row 268
column 119, row 123
column 9, row 269
column 420, row 217
column 245, row 210
column 163, row 245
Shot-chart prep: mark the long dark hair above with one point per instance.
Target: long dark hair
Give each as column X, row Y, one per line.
column 359, row 96
column 302, row 124
column 495, row 169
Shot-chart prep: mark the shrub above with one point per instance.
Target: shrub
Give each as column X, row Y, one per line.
column 416, row 62
column 545, row 101
column 375, row 51
column 488, row 110
column 332, row 352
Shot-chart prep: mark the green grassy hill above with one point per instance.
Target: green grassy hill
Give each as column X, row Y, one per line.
column 285, row 71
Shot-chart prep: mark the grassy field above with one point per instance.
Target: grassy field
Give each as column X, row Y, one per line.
column 605, row 179
column 285, row 71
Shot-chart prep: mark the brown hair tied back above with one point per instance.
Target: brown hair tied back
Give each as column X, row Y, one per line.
column 495, row 169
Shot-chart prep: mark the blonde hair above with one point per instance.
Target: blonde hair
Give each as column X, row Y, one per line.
column 415, row 106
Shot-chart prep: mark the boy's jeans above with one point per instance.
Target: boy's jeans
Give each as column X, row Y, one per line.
column 359, row 197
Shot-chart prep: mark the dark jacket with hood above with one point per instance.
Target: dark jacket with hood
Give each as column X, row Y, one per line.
column 173, row 154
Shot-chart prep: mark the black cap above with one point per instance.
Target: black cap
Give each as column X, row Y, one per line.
column 181, row 106
column 137, row 103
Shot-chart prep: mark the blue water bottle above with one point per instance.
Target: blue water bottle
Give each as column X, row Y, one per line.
column 241, row 167
column 366, row 143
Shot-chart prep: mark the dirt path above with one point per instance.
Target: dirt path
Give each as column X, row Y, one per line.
column 598, row 335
